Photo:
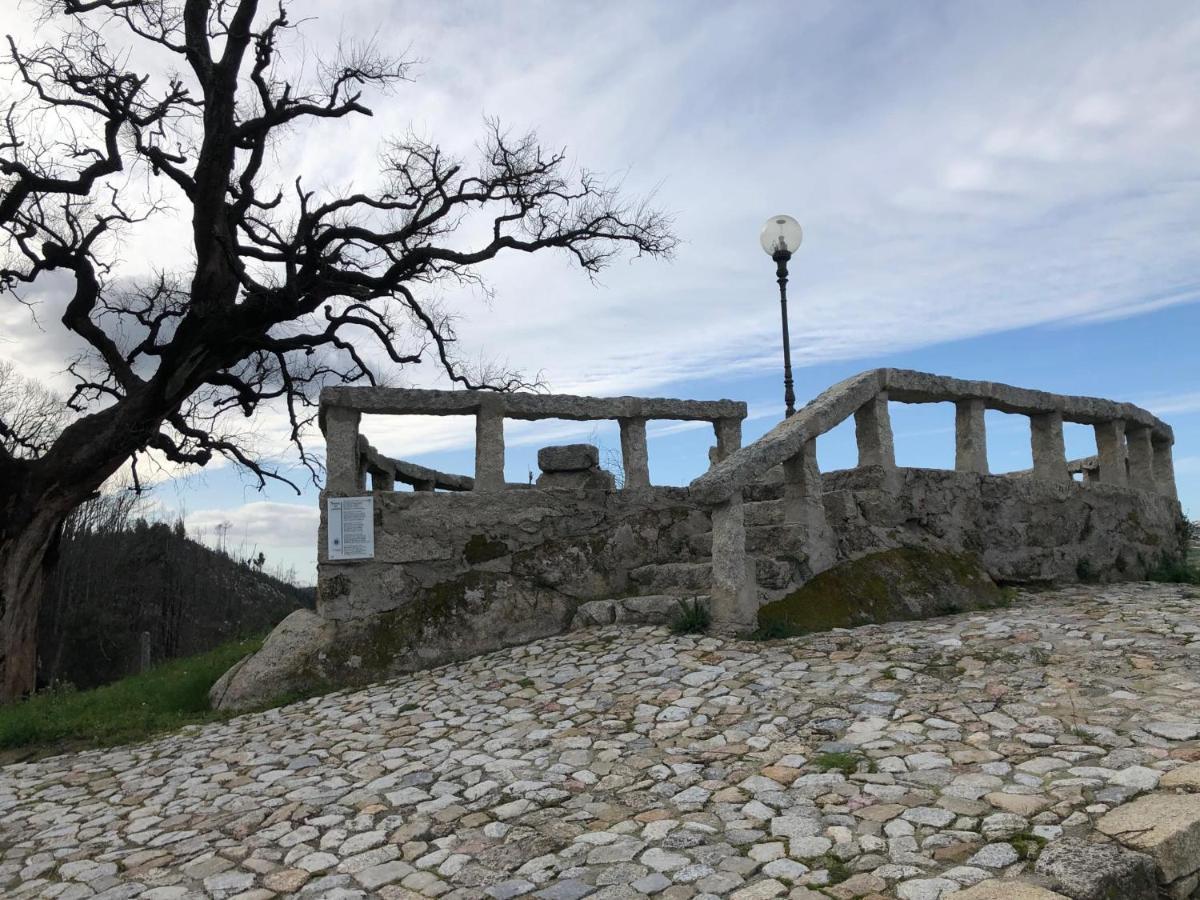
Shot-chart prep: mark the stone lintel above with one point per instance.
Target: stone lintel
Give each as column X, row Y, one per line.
column 414, row 401
column 489, row 445
column 970, row 437
column 1110, row 449
column 635, row 458
column 1049, row 449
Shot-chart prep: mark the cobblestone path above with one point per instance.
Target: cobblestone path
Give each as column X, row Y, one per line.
column 904, row 760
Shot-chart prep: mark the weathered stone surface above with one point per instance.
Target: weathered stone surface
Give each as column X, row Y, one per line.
column 281, row 666
column 1166, row 826
column 584, row 480
column 896, row 584
column 998, row 889
column 1085, row 870
column 1185, row 777
column 568, row 458
column 415, row 401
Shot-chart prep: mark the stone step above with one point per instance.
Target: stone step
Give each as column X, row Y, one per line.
column 760, row 539
column 673, row 578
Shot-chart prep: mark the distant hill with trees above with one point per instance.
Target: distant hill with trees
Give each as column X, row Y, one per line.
column 118, row 576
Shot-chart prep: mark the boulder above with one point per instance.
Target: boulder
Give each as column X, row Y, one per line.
column 283, row 665
column 1084, row 870
column 900, row 584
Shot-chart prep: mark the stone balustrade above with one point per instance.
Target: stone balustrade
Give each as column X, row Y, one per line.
column 349, row 458
column 1133, row 452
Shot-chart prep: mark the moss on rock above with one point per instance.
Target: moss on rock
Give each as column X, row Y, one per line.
column 905, row 583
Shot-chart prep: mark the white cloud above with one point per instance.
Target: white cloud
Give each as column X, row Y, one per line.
column 958, row 172
column 260, row 524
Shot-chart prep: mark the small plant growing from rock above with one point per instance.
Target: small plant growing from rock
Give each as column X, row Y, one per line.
column 846, row 763
column 692, row 618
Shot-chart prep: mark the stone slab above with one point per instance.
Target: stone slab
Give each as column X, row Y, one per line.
column 1185, row 777
column 997, row 889
column 1086, row 870
column 1167, row 826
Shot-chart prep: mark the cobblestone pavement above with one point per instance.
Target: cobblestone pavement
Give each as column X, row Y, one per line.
column 903, row 760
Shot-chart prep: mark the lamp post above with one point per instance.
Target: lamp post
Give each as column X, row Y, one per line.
column 780, row 238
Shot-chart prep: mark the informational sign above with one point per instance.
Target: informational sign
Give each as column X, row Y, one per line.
column 351, row 526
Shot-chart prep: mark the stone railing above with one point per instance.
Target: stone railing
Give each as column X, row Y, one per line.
column 349, row 458
column 1134, row 451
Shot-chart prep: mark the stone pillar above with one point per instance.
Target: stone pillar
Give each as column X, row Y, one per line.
column 1110, row 448
column 382, row 480
column 634, row 457
column 1141, row 458
column 873, row 429
column 1092, row 476
column 489, row 445
column 734, row 595
column 729, row 438
column 804, row 505
column 343, row 466
column 1164, row 470
column 1049, row 449
column 423, row 486
column 970, row 437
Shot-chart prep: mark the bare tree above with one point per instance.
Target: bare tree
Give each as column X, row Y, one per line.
column 289, row 288
column 30, row 416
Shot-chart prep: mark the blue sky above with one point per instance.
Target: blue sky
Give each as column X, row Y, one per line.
column 1000, row 191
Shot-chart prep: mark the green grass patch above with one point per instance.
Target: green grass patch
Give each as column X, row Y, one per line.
column 846, row 763
column 838, row 870
column 164, row 698
column 1028, row 845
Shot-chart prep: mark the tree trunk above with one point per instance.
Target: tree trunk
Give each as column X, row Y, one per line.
column 25, row 553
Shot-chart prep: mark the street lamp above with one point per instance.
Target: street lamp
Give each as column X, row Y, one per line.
column 781, row 238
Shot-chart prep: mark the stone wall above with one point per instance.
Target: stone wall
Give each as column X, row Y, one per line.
column 457, row 574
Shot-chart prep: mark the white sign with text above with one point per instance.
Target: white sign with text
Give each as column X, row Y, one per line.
column 351, row 526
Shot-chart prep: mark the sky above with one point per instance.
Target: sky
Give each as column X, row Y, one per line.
column 1007, row 192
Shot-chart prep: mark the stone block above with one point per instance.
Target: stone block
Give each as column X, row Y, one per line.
column 997, row 889
column 1089, row 871
column 569, row 458
column 1166, row 826
column 1185, row 777
column 582, row 480
column 594, row 612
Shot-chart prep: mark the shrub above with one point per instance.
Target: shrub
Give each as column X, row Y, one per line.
column 1174, row 571
column 692, row 618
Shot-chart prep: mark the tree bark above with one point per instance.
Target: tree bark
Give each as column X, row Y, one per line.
column 25, row 555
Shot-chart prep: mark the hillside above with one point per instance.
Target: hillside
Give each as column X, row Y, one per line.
column 119, row 576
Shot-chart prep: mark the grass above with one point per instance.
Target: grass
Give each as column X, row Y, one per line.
column 692, row 618
column 164, row 698
column 846, row 763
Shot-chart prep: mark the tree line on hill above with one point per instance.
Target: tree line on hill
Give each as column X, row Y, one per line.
column 118, row 576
